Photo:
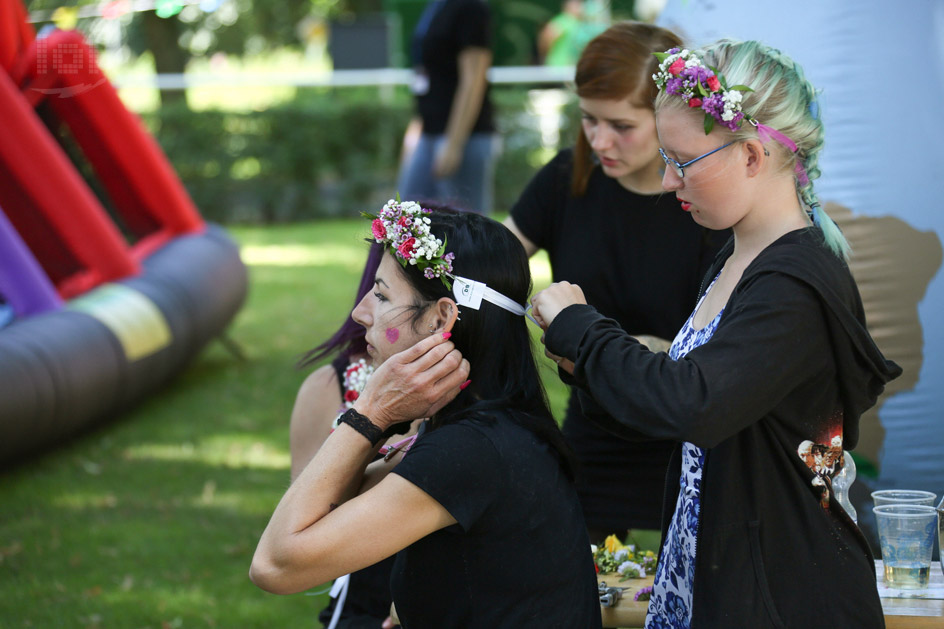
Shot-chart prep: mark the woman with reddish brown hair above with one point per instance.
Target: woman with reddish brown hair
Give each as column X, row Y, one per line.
column 600, row 212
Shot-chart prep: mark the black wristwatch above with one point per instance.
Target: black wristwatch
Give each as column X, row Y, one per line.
column 363, row 425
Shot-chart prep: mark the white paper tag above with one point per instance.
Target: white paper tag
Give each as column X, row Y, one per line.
column 468, row 292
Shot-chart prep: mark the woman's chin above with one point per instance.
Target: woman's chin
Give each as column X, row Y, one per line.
column 613, row 171
column 375, row 357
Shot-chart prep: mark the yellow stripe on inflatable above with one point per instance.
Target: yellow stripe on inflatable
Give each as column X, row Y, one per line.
column 131, row 316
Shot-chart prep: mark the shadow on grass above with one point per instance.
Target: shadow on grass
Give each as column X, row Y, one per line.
column 107, row 550
column 151, row 520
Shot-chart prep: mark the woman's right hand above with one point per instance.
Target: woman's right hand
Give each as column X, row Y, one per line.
column 414, row 383
column 548, row 303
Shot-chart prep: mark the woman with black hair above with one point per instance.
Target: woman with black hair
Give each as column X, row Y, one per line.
column 481, row 511
column 361, row 599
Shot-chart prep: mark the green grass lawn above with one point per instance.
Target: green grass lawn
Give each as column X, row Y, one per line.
column 151, row 519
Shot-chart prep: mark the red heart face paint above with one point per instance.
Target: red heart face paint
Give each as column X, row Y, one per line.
column 392, row 335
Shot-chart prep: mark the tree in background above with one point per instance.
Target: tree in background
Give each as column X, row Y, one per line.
column 176, row 31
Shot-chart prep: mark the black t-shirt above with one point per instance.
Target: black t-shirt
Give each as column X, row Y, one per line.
column 640, row 260
column 457, row 25
column 519, row 556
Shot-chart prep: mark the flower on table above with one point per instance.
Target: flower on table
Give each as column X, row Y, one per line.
column 631, row 570
column 615, row 556
column 612, row 544
column 643, row 594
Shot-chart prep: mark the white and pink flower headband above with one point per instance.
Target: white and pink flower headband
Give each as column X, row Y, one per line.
column 682, row 73
column 403, row 227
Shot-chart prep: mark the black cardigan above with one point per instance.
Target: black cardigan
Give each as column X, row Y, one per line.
column 791, row 361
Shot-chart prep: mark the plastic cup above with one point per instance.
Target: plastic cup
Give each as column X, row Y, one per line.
column 903, row 496
column 940, row 534
column 906, row 533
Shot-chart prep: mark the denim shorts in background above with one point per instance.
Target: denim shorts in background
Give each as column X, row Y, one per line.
column 469, row 188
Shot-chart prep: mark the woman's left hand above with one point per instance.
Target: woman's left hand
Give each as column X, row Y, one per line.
column 563, row 363
column 414, row 383
column 548, row 303
column 447, row 160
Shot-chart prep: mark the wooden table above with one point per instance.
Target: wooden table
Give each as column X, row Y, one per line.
column 900, row 613
column 914, row 613
column 627, row 612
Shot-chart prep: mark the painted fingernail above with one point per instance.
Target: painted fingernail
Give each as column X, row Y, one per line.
column 446, row 335
column 465, row 384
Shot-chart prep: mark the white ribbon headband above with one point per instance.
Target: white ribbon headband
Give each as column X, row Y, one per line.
column 470, row 293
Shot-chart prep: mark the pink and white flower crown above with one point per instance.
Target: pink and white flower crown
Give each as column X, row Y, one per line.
column 681, row 72
column 403, row 228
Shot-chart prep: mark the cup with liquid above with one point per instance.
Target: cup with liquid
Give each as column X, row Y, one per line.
column 906, row 533
column 903, row 496
column 940, row 534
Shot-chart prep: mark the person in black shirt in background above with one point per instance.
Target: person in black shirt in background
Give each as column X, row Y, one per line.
column 448, row 147
column 600, row 212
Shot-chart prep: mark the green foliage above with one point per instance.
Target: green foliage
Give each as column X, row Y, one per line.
column 320, row 155
column 247, row 26
column 522, row 149
column 328, row 153
column 152, row 520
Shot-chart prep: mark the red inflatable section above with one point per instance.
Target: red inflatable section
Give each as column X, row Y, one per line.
column 52, row 208
column 15, row 33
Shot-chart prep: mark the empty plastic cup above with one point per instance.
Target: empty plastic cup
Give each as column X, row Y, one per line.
column 906, row 534
column 903, row 496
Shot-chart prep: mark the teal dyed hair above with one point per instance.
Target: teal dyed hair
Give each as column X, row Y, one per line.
column 782, row 99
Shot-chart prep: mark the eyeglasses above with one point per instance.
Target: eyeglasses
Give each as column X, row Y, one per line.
column 680, row 168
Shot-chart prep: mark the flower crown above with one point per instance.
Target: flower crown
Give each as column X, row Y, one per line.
column 403, row 228
column 682, row 72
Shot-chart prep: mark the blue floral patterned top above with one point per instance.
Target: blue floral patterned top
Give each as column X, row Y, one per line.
column 670, row 604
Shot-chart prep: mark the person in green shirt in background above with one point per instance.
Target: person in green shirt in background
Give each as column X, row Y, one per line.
column 563, row 38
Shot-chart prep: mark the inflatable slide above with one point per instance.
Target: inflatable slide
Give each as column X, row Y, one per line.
column 105, row 294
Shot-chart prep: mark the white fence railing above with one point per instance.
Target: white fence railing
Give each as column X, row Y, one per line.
column 337, row 78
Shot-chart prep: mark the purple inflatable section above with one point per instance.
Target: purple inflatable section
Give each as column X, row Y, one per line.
column 23, row 283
